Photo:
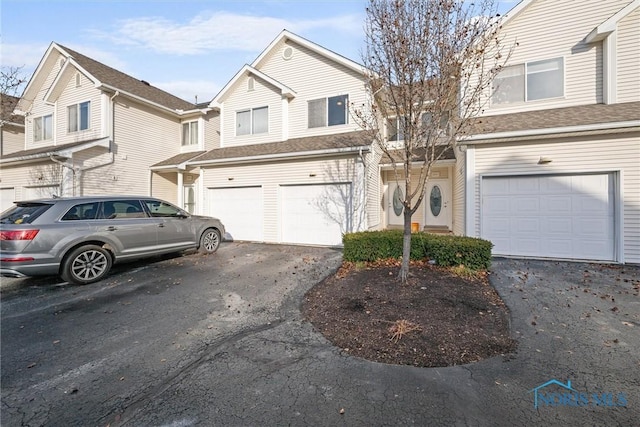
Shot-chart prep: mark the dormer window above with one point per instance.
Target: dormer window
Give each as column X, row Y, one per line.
column 330, row 111
column 529, row 82
column 78, row 117
column 190, row 133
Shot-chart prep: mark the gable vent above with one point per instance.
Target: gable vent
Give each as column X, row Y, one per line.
column 287, row 53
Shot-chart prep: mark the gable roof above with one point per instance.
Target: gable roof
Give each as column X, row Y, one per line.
column 288, row 35
column 607, row 27
column 286, row 91
column 296, row 147
column 110, row 79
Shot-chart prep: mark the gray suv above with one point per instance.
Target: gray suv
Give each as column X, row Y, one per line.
column 80, row 238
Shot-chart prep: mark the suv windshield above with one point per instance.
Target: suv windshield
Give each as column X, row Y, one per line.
column 23, row 213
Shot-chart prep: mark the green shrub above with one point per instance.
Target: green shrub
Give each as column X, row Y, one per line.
column 445, row 250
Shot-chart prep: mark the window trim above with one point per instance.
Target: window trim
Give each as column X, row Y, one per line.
column 525, row 83
column 42, row 136
column 78, row 112
column 189, row 124
column 327, row 105
column 251, row 112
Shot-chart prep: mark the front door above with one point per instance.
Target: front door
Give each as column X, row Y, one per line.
column 438, row 203
column 395, row 196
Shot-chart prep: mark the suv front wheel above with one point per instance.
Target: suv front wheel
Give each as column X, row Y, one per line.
column 209, row 241
column 86, row 264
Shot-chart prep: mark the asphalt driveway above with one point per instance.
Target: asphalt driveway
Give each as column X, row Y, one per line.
column 252, row 360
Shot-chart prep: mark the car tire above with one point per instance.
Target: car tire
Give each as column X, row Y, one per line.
column 86, row 264
column 209, row 241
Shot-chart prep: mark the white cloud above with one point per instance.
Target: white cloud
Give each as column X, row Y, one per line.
column 22, row 55
column 219, row 31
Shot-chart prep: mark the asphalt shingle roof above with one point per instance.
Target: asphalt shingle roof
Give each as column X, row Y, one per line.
column 178, row 159
column 126, row 83
column 8, row 104
column 295, row 145
column 559, row 117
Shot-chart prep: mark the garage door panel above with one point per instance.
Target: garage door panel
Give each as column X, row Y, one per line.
column 241, row 211
column 315, row 214
column 569, row 216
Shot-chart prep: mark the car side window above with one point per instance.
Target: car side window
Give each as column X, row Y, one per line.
column 119, row 209
column 80, row 212
column 162, row 209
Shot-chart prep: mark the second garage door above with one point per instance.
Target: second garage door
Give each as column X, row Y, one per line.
column 555, row 216
column 240, row 210
column 315, row 214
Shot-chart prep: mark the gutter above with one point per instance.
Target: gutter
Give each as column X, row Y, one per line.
column 177, row 112
column 549, row 131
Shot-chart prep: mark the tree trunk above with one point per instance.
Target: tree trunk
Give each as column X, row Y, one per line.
column 403, row 274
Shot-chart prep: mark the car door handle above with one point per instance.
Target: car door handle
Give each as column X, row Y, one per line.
column 161, row 225
column 111, row 228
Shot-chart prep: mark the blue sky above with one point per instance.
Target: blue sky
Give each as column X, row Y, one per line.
column 189, row 47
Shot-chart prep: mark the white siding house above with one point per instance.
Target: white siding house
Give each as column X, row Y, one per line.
column 555, row 170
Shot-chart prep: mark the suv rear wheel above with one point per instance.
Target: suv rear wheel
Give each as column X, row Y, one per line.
column 86, row 264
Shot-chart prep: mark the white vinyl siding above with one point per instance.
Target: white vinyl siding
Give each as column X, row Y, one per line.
column 12, row 139
column 618, row 155
column 628, row 42
column 458, row 196
column 544, row 30
column 73, row 95
column 313, row 77
column 142, row 138
column 271, row 176
column 39, row 107
column 239, row 99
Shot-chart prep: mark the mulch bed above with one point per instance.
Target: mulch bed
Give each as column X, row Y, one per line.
column 436, row 319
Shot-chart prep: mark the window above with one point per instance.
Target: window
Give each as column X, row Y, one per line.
column 78, row 116
column 43, row 128
column 190, row 133
column 84, row 211
column 122, row 209
column 529, row 82
column 158, row 208
column 253, row 121
column 328, row 111
column 443, row 126
column 395, row 129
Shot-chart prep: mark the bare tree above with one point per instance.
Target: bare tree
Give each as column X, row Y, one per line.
column 430, row 64
column 11, row 80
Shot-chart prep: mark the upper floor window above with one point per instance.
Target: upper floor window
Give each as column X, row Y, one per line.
column 252, row 121
column 78, row 116
column 190, row 133
column 330, row 111
column 43, row 128
column 395, row 129
column 529, row 82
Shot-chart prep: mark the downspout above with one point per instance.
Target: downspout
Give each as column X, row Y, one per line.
column 73, row 173
column 111, row 153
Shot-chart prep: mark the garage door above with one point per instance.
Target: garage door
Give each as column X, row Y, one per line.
column 315, row 214
column 240, row 210
column 7, row 197
column 564, row 216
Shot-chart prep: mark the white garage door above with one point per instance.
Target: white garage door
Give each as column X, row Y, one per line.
column 7, row 197
column 240, row 210
column 564, row 216
column 315, row 214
